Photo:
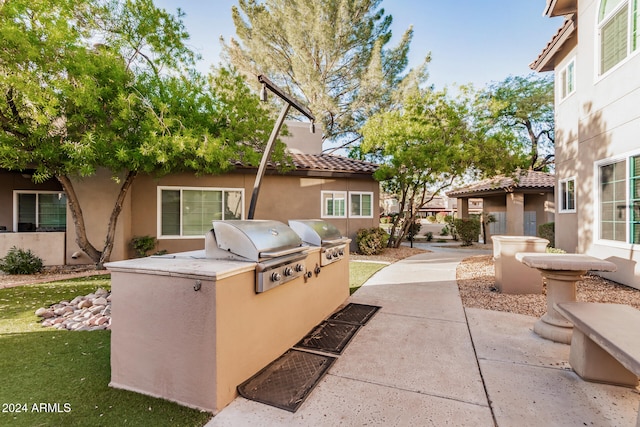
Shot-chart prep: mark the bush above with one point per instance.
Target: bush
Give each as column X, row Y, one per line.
column 371, row 241
column 440, row 217
column 429, row 236
column 18, row 261
column 451, row 223
column 143, row 244
column 547, row 231
column 551, row 250
column 468, row 229
column 414, row 229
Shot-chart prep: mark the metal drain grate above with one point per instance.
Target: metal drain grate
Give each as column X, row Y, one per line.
column 287, row 381
column 358, row 314
column 331, row 337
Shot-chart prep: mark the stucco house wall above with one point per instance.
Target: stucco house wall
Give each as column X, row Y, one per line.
column 597, row 124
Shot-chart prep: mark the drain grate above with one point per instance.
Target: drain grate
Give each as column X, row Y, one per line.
column 287, row 381
column 331, row 337
column 358, row 314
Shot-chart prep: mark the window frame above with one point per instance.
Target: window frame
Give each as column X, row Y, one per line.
column 631, row 50
column 16, row 211
column 181, row 236
column 627, row 159
column 563, row 199
column 563, row 75
column 361, row 193
column 323, row 211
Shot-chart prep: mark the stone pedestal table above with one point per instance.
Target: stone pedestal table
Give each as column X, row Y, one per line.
column 562, row 272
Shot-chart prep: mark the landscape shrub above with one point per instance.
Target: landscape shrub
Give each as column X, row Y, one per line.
column 414, row 230
column 468, row 229
column 451, row 224
column 440, row 217
column 371, row 241
column 429, row 236
column 19, row 261
column 143, row 244
column 547, row 231
column 552, row 250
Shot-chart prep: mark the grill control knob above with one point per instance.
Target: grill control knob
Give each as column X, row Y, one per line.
column 276, row 277
column 299, row 268
column 341, row 252
column 328, row 254
column 288, row 271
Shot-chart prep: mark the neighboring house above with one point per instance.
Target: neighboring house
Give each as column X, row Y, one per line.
column 178, row 209
column 597, row 72
column 518, row 204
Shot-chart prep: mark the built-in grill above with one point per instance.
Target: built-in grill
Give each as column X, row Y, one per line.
column 276, row 248
column 316, row 232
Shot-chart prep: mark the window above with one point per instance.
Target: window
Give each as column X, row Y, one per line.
column 334, row 204
column 618, row 31
column 619, row 200
column 567, row 80
column 361, row 205
column 188, row 212
column 567, row 195
column 40, row 211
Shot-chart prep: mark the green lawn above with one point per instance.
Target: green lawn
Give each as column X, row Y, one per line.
column 359, row 272
column 53, row 378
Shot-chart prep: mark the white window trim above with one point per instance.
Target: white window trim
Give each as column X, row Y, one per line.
column 159, row 189
column 15, row 204
column 596, row 201
column 563, row 86
column 361, row 193
column 596, row 45
column 561, row 196
column 322, row 207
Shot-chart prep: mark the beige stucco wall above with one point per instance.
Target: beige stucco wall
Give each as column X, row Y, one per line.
column 49, row 246
column 195, row 348
column 599, row 121
column 97, row 195
column 543, row 204
column 281, row 198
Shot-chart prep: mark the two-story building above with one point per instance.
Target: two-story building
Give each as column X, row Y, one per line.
column 594, row 56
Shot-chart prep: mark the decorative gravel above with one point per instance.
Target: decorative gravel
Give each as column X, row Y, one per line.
column 476, row 281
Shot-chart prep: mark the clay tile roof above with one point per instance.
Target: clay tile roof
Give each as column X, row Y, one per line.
column 331, row 163
column 544, row 61
column 529, row 180
column 323, row 164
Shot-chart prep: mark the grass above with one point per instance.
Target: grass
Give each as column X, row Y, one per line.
column 51, row 377
column 359, row 272
column 61, row 378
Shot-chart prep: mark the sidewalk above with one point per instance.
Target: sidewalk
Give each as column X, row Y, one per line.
column 423, row 360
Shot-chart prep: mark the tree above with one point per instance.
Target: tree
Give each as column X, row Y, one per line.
column 524, row 106
column 426, row 144
column 331, row 54
column 87, row 85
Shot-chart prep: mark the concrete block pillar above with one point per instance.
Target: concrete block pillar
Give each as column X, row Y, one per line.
column 515, row 214
column 463, row 208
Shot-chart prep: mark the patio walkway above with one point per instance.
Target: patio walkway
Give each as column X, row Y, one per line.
column 423, row 360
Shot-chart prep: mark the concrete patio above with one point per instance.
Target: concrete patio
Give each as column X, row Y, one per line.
column 425, row 360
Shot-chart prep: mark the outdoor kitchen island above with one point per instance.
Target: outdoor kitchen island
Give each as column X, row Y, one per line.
column 190, row 328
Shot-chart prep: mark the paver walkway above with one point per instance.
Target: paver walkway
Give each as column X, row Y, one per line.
column 423, row 360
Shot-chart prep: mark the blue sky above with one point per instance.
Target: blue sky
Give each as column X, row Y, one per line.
column 471, row 41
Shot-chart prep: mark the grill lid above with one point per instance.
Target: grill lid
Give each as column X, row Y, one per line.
column 256, row 239
column 316, row 231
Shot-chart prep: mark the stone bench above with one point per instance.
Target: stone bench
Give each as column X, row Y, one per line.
column 605, row 346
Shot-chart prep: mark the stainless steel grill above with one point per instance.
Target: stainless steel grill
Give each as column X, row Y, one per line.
column 316, row 232
column 276, row 248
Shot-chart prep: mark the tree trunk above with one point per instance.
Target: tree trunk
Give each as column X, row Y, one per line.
column 99, row 258
column 113, row 219
column 78, row 219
